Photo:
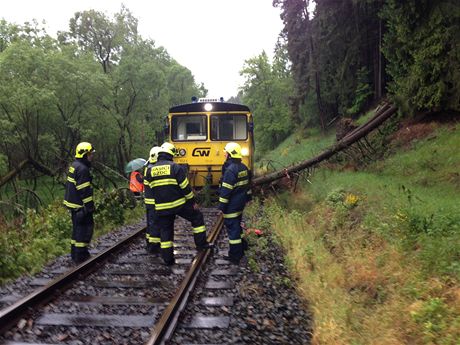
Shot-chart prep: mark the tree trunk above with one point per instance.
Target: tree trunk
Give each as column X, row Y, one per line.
column 12, row 173
column 380, row 117
column 21, row 166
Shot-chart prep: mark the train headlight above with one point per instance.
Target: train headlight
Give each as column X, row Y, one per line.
column 182, row 152
column 245, row 151
column 208, row 107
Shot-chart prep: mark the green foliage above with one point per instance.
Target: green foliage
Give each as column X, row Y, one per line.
column 439, row 255
column 54, row 93
column 422, row 48
column 336, row 197
column 377, row 249
column 42, row 235
column 266, row 90
column 333, row 54
column 436, row 235
column 301, row 145
column 349, row 52
column 433, row 317
column 141, row 82
column 3, row 164
column 412, row 195
column 362, row 94
column 110, row 205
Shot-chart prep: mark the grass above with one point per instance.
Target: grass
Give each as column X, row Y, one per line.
column 27, row 244
column 376, row 253
column 296, row 148
column 366, row 117
column 30, row 196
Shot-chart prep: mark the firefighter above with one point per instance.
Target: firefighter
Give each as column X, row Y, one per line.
column 234, row 193
column 153, row 232
column 174, row 196
column 79, row 200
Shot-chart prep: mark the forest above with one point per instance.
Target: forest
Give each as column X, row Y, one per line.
column 347, row 55
column 100, row 81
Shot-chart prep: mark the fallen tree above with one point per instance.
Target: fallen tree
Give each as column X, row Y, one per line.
column 381, row 115
column 21, row 166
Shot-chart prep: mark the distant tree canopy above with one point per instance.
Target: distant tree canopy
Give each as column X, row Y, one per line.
column 348, row 54
column 266, row 91
column 99, row 82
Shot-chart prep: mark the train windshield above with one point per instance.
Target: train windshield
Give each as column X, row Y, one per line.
column 229, row 127
column 189, row 127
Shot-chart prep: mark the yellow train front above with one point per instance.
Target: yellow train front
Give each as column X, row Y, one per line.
column 201, row 129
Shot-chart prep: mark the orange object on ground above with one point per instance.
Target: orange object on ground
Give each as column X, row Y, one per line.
column 258, row 232
column 135, row 185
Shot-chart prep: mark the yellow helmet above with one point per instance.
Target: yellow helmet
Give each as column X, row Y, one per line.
column 168, row 148
column 154, row 154
column 234, row 150
column 83, row 148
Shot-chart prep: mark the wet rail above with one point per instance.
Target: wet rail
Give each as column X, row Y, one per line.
column 121, row 293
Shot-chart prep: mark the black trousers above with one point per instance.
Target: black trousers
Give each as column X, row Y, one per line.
column 153, row 232
column 166, row 226
column 82, row 232
column 236, row 244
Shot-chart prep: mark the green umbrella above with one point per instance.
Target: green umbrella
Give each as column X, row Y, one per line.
column 134, row 165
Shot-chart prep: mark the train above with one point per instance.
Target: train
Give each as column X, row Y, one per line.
column 200, row 130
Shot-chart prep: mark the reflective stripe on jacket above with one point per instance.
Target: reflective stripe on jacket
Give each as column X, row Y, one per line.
column 149, row 199
column 234, row 188
column 170, row 186
column 78, row 189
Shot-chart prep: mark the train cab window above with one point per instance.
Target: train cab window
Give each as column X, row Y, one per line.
column 189, row 127
column 229, row 127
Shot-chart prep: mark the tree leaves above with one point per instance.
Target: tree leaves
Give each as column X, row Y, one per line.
column 99, row 82
column 422, row 47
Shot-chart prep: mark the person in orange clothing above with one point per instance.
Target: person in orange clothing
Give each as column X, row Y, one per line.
column 136, row 183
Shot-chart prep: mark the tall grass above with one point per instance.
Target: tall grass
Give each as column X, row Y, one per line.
column 298, row 147
column 377, row 252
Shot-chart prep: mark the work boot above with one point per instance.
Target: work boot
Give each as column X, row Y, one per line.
column 81, row 256
column 153, row 249
column 169, row 263
column 205, row 246
column 72, row 252
column 231, row 260
column 245, row 244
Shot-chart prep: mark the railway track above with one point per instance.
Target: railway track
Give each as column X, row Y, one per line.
column 122, row 295
column 128, row 297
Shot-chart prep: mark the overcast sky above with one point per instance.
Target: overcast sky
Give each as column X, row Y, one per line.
column 212, row 38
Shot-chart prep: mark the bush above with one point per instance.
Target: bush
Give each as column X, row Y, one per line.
column 111, row 206
column 29, row 243
column 432, row 316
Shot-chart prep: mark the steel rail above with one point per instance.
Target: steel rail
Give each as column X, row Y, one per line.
column 41, row 295
column 168, row 321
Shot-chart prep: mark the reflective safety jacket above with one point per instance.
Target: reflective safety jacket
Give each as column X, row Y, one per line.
column 234, row 190
column 149, row 200
column 136, row 183
column 78, row 190
column 170, row 186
